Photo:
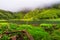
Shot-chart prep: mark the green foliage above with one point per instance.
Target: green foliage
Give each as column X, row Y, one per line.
column 43, row 32
column 5, row 37
column 52, row 12
column 37, row 32
column 19, row 15
column 46, row 25
column 6, row 14
column 36, row 14
column 32, row 14
column 56, row 35
column 10, row 15
column 48, row 14
column 44, row 14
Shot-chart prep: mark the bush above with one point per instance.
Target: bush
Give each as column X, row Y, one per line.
column 47, row 27
column 56, row 35
column 37, row 32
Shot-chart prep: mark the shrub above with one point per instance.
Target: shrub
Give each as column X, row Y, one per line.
column 47, row 27
column 55, row 35
column 37, row 32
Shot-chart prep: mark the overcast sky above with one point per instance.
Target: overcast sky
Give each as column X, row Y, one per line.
column 15, row 5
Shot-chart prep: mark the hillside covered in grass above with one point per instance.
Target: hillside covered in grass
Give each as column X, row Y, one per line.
column 52, row 12
column 39, row 31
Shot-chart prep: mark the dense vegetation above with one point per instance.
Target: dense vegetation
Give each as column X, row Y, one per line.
column 52, row 12
column 39, row 32
column 42, row 32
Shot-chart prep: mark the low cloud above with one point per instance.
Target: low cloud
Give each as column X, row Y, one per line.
column 15, row 5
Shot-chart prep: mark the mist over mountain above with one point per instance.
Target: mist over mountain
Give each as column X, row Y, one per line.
column 52, row 12
column 18, row 5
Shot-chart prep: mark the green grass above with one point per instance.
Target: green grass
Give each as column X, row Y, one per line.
column 38, row 32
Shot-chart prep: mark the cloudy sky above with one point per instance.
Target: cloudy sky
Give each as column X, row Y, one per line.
column 15, row 5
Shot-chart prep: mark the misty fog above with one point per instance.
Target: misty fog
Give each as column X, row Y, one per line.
column 16, row 5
